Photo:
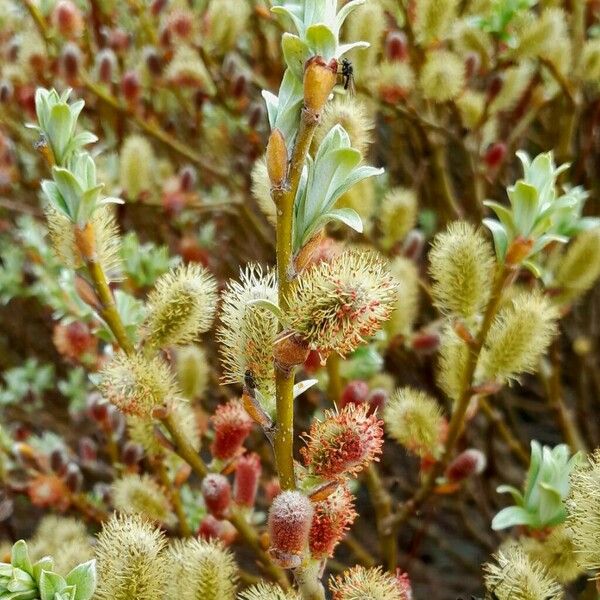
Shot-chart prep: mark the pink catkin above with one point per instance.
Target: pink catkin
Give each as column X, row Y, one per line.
column 344, row 442
column 247, row 476
column 216, row 491
column 232, row 425
column 332, row 518
column 290, row 519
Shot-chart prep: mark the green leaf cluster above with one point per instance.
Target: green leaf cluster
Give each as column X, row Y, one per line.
column 541, row 504
column 23, row 580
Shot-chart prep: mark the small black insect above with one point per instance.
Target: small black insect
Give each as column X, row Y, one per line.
column 249, row 380
column 348, row 75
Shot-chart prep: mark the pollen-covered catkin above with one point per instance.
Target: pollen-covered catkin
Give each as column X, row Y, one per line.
column 415, row 420
column 583, row 510
column 181, row 306
column 398, row 215
column 406, row 309
column 462, row 267
column 136, row 384
column 130, row 560
column 514, row 576
column 268, row 591
column 360, row 583
column 452, row 364
column 442, row 76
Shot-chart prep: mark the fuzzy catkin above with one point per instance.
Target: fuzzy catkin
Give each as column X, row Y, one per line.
column 106, row 232
column 583, row 513
column 268, row 591
column 201, row 570
column 366, row 23
column 193, row 371
column 398, row 215
column 462, row 266
column 452, row 364
column 433, row 19
column 519, row 335
column 360, row 583
column 579, row 268
column 140, row 494
column 247, row 331
column 261, row 190
column 513, row 576
column 130, row 560
column 442, row 77
column 353, row 116
column 137, row 166
column 181, row 306
column 406, row 308
column 415, row 420
column 136, row 384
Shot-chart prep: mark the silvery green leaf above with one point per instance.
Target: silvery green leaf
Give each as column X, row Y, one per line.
column 348, row 216
column 504, row 214
column 345, row 48
column 513, row 491
column 302, row 386
column 270, row 306
column 291, row 11
column 291, row 97
column 69, row 188
column 41, row 106
column 533, row 268
column 499, row 235
column 550, row 504
column 59, row 131
column 355, row 177
column 50, row 189
column 295, row 52
column 547, row 239
column 321, row 40
column 525, row 202
column 49, row 584
column 83, row 577
column 510, row 516
column 45, row 563
column 272, row 104
column 111, row 200
column 19, row 557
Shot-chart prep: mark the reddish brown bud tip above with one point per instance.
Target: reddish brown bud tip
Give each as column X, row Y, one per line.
column 518, row 251
column 217, row 494
column 495, row 154
column 319, row 79
column 66, row 17
column 277, row 159
column 355, row 392
column 467, row 463
column 290, row 519
column 131, row 87
column 289, row 351
column 425, row 342
column 396, row 45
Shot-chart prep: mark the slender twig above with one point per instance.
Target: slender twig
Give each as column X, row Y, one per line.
column 458, row 416
column 173, row 491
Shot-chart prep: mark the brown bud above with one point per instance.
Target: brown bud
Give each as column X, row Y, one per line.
column 277, row 159
column 86, row 292
column 319, row 79
column 518, row 251
column 290, row 350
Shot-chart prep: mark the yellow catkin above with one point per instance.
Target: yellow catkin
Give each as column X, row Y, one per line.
column 442, row 76
column 415, row 420
column 434, row 19
column 462, row 267
column 140, row 494
column 407, row 299
column 452, row 364
column 398, row 215
column 137, row 166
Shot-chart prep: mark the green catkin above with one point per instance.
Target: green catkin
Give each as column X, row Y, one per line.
column 407, row 299
column 360, row 583
column 518, row 337
column 415, row 420
column 201, row 570
column 434, row 19
column 140, row 494
column 452, row 364
column 268, row 591
column 227, row 20
column 193, row 371
column 590, row 62
column 514, row 83
column 130, row 560
column 579, row 268
column 471, row 105
column 181, row 306
column 398, row 215
column 137, row 166
column 462, row 267
column 583, row 513
column 442, row 76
